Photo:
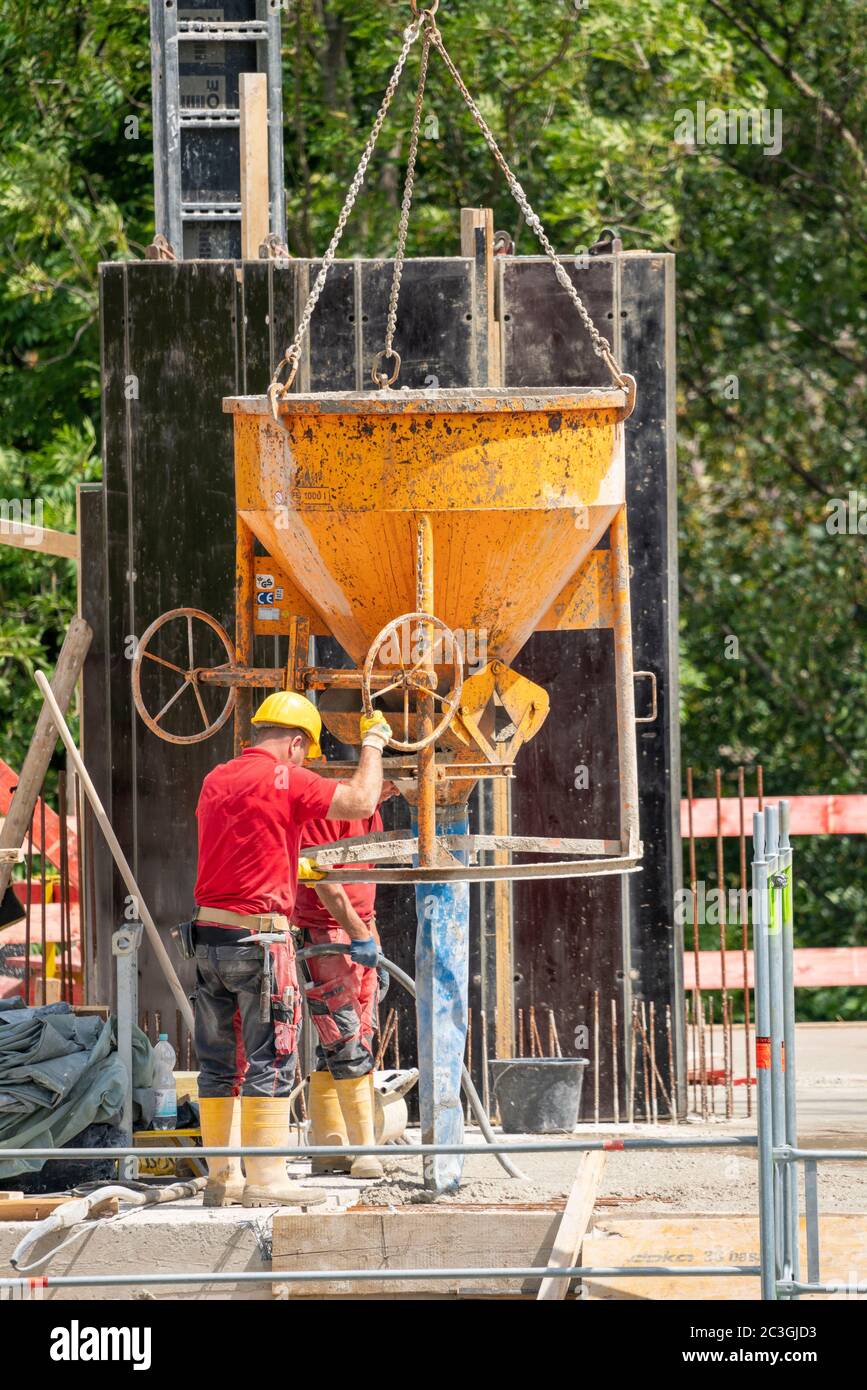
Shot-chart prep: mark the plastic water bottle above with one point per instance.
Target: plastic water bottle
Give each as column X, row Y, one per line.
column 166, row 1113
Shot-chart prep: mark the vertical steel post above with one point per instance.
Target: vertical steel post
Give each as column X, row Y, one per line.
column 763, row 1061
column 125, row 946
column 174, row 226
column 778, row 1051
column 158, row 107
column 274, row 72
column 811, row 1211
column 791, row 1110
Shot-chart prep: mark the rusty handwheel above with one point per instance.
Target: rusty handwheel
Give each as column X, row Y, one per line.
column 410, row 678
column 189, row 676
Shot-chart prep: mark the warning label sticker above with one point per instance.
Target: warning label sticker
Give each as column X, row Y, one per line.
column 268, row 615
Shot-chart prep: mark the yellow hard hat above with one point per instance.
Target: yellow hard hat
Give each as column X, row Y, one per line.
column 292, row 711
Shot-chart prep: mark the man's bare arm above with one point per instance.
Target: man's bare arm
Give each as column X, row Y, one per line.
column 359, row 797
column 334, row 899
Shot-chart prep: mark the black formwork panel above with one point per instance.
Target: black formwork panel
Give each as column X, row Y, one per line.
column 176, row 339
column 615, row 937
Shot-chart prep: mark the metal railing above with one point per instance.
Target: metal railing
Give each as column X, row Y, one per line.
column 776, row 1140
column 779, row 1155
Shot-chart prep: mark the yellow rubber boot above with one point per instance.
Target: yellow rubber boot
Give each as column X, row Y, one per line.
column 356, row 1102
column 265, row 1125
column 327, row 1125
column 220, row 1120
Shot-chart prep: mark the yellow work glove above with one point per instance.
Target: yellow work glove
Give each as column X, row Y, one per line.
column 375, row 730
column 308, row 872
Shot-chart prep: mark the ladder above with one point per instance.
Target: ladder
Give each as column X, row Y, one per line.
column 198, row 51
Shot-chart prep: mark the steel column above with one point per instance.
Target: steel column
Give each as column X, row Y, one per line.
column 125, row 945
column 778, row 1054
column 274, row 71
column 763, row 1060
column 791, row 1114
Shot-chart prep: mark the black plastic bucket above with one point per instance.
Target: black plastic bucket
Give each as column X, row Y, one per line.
column 538, row 1095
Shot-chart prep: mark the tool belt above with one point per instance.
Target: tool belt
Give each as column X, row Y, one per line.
column 262, row 922
column 185, row 935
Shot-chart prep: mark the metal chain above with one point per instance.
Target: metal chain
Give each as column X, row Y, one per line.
column 601, row 345
column 292, row 355
column 382, row 378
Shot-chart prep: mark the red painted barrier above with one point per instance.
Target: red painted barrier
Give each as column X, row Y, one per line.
column 810, row 815
column 815, row 967
column 8, row 783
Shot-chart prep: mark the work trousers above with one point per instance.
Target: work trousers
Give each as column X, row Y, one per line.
column 342, row 1003
column 237, row 1050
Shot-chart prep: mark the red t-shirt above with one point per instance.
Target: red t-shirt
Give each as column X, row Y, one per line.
column 250, row 813
column 309, row 911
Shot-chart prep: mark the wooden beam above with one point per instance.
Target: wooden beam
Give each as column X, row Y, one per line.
column 477, row 243
column 255, row 214
column 412, row 1237
column 40, row 539
column 573, row 1227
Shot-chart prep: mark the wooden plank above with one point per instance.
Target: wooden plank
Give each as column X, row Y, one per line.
column 255, row 220
column 810, row 815
column 411, row 1238
column 707, row 1240
column 573, row 1227
column 20, row 1208
column 41, row 540
column 477, row 244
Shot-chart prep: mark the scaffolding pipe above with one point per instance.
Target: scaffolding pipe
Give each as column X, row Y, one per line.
column 569, row 1146
column 315, row 1276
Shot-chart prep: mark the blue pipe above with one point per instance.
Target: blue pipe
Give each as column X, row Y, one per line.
column 442, row 954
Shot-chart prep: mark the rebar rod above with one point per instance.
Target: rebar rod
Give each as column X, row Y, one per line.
column 596, row 1056
column 615, row 1070
column 745, row 929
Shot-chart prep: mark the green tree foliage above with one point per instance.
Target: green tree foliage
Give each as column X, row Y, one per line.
column 587, row 101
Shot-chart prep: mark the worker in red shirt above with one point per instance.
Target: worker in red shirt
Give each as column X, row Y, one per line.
column 251, row 814
column 342, row 998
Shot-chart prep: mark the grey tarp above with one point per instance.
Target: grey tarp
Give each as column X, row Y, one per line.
column 59, row 1073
